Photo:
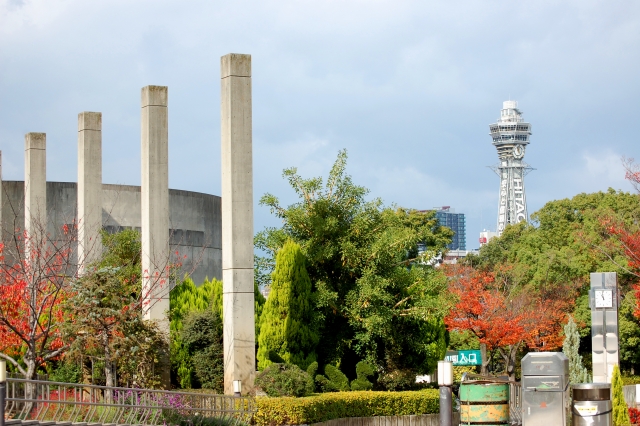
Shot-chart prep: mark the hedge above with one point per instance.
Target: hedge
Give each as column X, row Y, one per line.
column 336, row 405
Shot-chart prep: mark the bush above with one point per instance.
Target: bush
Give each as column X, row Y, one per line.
column 202, row 337
column 400, row 380
column 174, row 418
column 620, row 410
column 285, row 380
column 631, row 380
column 328, row 406
column 363, row 371
column 66, row 372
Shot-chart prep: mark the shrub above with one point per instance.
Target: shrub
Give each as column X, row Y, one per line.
column 328, row 406
column 634, row 415
column 631, row 380
column 285, row 380
column 400, row 380
column 620, row 411
column 174, row 418
column 363, row 371
column 202, row 337
column 66, row 372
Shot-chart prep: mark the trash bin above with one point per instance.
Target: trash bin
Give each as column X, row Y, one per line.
column 545, row 388
column 484, row 403
column 591, row 404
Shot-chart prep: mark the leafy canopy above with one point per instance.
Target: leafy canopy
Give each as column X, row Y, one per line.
column 376, row 298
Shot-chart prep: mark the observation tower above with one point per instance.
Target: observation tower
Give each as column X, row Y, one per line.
column 510, row 137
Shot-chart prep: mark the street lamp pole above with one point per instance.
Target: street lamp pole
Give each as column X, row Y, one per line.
column 3, row 389
column 445, row 381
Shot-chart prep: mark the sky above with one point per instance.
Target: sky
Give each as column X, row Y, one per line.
column 408, row 87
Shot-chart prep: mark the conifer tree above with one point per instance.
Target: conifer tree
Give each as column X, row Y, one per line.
column 620, row 410
column 286, row 322
column 577, row 372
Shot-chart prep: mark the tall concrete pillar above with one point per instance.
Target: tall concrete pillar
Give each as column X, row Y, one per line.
column 155, row 210
column 237, row 222
column 155, row 202
column 35, row 185
column 89, row 187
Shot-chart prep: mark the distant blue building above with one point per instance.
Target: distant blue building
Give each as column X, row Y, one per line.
column 447, row 217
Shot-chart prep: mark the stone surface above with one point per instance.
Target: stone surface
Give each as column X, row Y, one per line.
column 89, row 187
column 237, row 221
column 35, row 193
column 156, row 257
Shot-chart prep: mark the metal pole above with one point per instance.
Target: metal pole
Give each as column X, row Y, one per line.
column 3, row 389
column 446, row 406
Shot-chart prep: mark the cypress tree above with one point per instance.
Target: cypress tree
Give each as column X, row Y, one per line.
column 620, row 410
column 286, row 322
column 577, row 372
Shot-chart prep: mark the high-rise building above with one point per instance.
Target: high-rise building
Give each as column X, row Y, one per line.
column 447, row 217
column 510, row 137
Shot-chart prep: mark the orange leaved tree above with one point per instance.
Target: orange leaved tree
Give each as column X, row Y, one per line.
column 503, row 318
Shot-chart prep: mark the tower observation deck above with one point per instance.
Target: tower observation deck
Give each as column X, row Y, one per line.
column 510, row 137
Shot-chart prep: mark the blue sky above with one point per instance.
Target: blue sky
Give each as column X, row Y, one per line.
column 407, row 87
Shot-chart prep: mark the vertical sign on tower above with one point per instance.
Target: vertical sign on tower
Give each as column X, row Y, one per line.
column 510, row 137
column 603, row 298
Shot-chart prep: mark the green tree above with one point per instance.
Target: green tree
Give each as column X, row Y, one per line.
column 375, row 297
column 629, row 334
column 286, row 325
column 620, row 410
column 571, row 346
column 186, row 298
column 105, row 315
column 202, row 336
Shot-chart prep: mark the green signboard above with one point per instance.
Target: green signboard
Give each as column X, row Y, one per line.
column 466, row 357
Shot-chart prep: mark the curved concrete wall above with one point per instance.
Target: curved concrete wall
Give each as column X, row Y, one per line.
column 194, row 218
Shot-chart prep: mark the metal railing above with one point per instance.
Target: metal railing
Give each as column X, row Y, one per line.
column 515, row 403
column 69, row 402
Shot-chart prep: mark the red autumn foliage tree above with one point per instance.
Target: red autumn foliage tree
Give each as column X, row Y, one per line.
column 35, row 271
column 629, row 241
column 632, row 172
column 504, row 319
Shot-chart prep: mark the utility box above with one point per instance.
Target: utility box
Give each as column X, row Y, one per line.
column 545, row 389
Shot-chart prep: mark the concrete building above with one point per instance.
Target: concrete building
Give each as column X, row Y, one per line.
column 195, row 225
column 448, row 217
column 486, row 236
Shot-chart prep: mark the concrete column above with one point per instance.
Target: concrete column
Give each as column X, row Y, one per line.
column 155, row 202
column 237, row 222
column 35, row 185
column 89, row 187
column 155, row 210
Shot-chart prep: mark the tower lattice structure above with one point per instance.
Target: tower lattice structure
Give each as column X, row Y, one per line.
column 510, row 137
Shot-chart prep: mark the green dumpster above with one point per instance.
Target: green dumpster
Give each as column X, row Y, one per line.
column 484, row 404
